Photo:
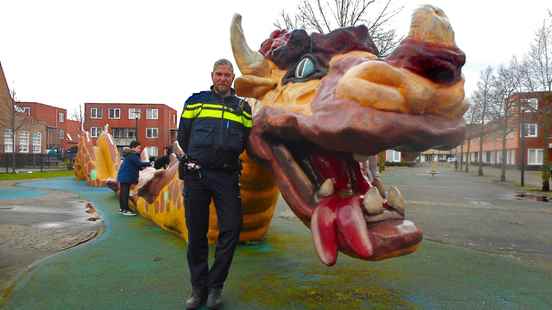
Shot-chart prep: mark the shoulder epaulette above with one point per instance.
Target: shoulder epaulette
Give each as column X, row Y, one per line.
column 197, row 97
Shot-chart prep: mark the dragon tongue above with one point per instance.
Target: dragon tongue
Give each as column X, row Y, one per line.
column 338, row 222
column 353, row 228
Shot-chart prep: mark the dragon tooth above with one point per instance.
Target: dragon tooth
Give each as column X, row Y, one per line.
column 326, row 189
column 373, row 203
column 396, row 200
column 324, row 234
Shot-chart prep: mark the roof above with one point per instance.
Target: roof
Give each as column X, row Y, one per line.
column 132, row 103
column 39, row 103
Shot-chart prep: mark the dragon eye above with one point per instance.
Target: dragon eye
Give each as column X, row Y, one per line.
column 304, row 68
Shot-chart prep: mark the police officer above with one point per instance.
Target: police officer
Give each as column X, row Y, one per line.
column 213, row 132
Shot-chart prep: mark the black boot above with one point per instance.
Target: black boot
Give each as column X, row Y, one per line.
column 197, row 298
column 214, row 300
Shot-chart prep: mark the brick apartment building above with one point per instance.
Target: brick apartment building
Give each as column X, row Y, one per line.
column 155, row 124
column 535, row 139
column 61, row 133
column 38, row 127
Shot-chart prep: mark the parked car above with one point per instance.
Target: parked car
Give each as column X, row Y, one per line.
column 71, row 152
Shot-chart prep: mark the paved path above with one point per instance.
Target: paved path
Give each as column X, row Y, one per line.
column 135, row 265
column 532, row 178
column 477, row 212
column 35, row 224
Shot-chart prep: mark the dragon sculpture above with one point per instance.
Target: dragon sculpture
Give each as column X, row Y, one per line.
column 322, row 103
column 96, row 164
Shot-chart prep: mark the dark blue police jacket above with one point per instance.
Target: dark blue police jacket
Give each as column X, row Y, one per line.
column 213, row 130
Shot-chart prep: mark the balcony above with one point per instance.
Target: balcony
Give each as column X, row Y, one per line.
column 123, row 136
column 122, row 141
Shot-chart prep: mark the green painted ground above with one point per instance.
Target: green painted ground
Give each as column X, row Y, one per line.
column 135, row 265
column 35, row 175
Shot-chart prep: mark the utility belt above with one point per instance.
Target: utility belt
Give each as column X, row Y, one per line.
column 229, row 167
column 189, row 166
column 221, row 159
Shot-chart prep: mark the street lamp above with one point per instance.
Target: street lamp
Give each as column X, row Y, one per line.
column 136, row 114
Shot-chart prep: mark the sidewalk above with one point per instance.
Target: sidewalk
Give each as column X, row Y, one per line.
column 533, row 179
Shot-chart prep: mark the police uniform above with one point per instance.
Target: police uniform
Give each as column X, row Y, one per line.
column 213, row 132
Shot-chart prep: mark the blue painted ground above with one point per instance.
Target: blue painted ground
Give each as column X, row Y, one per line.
column 136, row 265
column 14, row 193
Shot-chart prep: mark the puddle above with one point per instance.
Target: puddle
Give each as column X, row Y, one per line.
column 535, row 197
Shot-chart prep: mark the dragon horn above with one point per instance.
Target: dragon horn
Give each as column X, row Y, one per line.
column 249, row 61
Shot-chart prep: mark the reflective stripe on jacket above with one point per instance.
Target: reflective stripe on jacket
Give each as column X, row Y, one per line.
column 214, row 130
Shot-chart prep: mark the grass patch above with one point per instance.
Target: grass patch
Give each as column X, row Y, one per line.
column 35, row 175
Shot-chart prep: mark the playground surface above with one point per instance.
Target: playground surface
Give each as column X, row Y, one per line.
column 483, row 249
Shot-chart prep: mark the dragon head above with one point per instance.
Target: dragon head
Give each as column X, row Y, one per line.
column 324, row 102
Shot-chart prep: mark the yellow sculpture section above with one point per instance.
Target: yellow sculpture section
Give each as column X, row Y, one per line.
column 107, row 157
column 158, row 195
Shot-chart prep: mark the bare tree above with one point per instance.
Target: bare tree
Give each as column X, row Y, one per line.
column 18, row 118
column 539, row 59
column 77, row 114
column 504, row 85
column 325, row 16
column 471, row 116
column 482, row 97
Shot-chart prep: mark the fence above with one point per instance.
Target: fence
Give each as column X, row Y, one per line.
column 34, row 161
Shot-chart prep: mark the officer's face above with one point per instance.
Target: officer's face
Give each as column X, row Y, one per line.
column 222, row 77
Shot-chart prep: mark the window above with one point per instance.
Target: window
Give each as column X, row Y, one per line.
column 532, row 104
column 123, row 133
column 37, row 142
column 133, row 113
column 511, row 157
column 8, row 140
column 61, row 134
column 152, row 151
column 118, row 132
column 27, row 110
column 61, row 117
column 114, row 113
column 530, row 130
column 487, row 157
column 152, row 133
column 23, row 141
column 96, row 113
column 95, row 132
column 152, row 113
column 132, row 133
column 392, row 156
column 534, row 156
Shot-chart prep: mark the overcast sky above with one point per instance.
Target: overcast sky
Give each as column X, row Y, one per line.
column 65, row 53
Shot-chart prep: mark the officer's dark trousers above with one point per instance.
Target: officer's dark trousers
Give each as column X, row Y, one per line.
column 223, row 187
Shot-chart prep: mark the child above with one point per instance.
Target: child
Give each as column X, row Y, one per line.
column 128, row 175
